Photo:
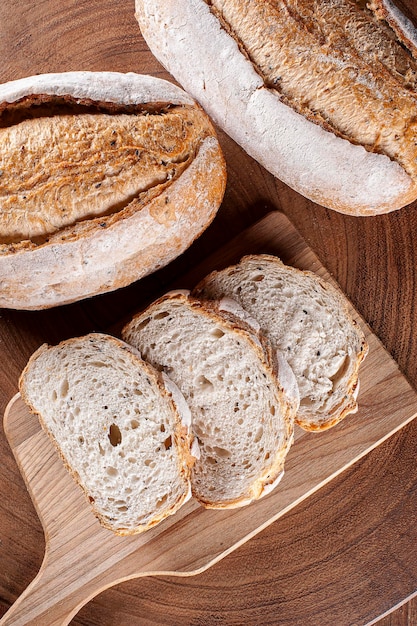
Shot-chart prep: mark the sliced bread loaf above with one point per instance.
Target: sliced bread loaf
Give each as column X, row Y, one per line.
column 116, row 427
column 241, row 417
column 307, row 320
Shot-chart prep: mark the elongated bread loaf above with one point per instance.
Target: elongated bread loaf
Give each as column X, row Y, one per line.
column 322, row 93
column 116, row 426
column 307, row 321
column 104, row 178
column 241, row 416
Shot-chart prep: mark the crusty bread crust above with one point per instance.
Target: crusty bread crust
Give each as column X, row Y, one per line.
column 188, row 39
column 400, row 24
column 129, row 88
column 182, row 433
column 104, row 253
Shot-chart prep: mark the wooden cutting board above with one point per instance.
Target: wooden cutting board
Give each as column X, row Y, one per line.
column 82, row 558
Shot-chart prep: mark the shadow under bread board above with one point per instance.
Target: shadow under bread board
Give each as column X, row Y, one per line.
column 82, row 558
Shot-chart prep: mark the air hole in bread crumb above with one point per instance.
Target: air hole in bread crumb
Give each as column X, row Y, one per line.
column 101, row 449
column 134, row 424
column 162, row 427
column 112, row 471
column 54, row 396
column 272, row 410
column 218, row 333
column 221, row 452
column 143, row 324
column 258, row 435
column 64, row 388
column 258, row 278
column 168, row 443
column 115, row 435
column 81, row 439
column 338, row 376
column 204, row 384
column 161, row 315
column 211, row 460
column 161, row 501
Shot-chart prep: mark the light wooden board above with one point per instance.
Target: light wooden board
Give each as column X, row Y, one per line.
column 82, row 558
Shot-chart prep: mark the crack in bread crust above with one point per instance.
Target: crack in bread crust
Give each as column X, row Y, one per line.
column 125, row 153
column 335, row 63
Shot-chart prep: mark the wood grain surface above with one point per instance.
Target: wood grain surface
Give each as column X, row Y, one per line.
column 348, row 554
column 82, row 558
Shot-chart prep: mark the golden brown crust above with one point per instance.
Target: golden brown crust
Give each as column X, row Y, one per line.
column 124, row 155
column 321, row 57
column 403, row 27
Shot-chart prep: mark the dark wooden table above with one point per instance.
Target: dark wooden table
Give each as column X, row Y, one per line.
column 347, row 555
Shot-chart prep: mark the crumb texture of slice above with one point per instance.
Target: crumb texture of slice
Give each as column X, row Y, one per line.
column 115, row 427
column 242, row 420
column 308, row 322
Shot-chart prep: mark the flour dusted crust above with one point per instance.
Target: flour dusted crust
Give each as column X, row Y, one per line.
column 188, row 39
column 129, row 88
column 101, row 253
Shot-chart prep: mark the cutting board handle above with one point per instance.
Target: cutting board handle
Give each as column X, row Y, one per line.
column 43, row 604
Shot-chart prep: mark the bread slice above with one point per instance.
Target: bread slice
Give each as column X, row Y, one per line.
column 307, row 320
column 116, row 427
column 241, row 417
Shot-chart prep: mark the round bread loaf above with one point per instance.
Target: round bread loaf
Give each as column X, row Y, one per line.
column 323, row 94
column 105, row 177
